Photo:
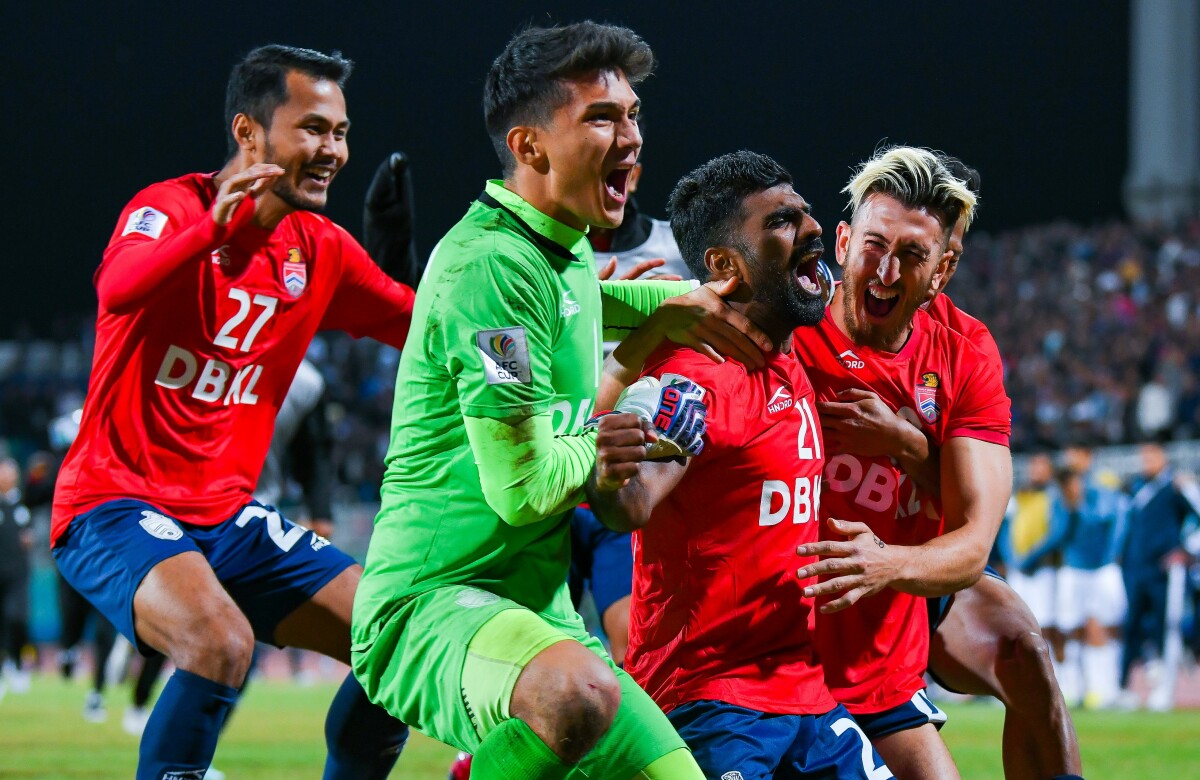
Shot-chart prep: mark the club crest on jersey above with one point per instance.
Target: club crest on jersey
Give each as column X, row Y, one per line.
column 295, row 273
column 927, row 397
column 160, row 526
column 505, row 356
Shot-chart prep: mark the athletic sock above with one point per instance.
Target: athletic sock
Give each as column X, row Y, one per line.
column 1070, row 681
column 513, row 752
column 181, row 734
column 363, row 740
column 1101, row 666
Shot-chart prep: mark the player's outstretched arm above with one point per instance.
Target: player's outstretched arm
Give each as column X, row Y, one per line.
column 700, row 319
column 976, row 483
column 134, row 267
column 860, row 423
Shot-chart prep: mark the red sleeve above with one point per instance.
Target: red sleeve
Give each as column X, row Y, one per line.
column 159, row 230
column 368, row 302
column 724, row 394
column 981, row 410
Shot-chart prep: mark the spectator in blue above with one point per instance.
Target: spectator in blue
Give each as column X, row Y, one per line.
column 1152, row 537
column 1090, row 602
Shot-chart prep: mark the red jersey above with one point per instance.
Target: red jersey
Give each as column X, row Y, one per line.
column 718, row 612
column 875, row 652
column 944, row 311
column 190, row 368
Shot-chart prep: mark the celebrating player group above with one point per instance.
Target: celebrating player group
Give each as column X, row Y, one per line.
column 813, row 472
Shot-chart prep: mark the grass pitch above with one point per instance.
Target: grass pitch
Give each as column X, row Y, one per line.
column 277, row 733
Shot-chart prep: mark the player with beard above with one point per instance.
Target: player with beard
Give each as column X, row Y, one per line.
column 984, row 639
column 917, row 540
column 210, row 291
column 463, row 625
column 721, row 630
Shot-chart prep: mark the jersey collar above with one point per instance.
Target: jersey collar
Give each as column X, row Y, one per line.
column 574, row 241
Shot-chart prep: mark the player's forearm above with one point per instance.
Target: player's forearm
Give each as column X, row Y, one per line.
column 976, row 478
column 628, row 304
column 918, row 456
column 624, row 510
column 526, row 472
column 132, row 271
column 943, row 565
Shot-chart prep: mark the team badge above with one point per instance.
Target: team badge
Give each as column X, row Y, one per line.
column 505, row 356
column 927, row 397
column 295, row 273
column 160, row 526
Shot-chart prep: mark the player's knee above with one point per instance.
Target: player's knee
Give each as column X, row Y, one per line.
column 585, row 699
column 218, row 647
column 1026, row 671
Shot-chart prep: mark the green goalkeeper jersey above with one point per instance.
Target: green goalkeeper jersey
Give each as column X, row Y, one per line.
column 507, row 323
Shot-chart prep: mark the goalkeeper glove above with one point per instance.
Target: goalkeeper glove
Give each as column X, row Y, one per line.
column 675, row 407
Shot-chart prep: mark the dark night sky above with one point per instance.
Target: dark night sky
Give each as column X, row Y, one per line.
column 1033, row 93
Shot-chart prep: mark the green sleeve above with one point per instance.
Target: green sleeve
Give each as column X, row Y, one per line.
column 494, row 333
column 627, row 304
column 527, row 473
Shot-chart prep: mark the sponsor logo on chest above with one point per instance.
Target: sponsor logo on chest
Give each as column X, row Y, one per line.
column 570, row 307
column 782, row 399
column 850, row 360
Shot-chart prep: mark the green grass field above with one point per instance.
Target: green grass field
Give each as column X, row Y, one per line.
column 277, row 734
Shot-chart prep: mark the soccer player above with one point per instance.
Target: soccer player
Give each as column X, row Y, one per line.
column 721, row 631
column 463, row 625
column 210, row 291
column 1091, row 595
column 875, row 339
column 984, row 641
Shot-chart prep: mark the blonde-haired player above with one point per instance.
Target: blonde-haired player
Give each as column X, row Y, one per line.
column 983, row 638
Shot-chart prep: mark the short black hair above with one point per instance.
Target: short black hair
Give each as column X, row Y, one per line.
column 963, row 172
column 524, row 84
column 258, row 83
column 706, row 204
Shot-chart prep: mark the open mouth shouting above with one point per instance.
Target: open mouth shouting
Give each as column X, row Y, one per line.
column 807, row 269
column 616, row 186
column 880, row 301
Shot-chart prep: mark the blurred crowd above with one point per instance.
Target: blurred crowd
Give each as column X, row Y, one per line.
column 1099, row 329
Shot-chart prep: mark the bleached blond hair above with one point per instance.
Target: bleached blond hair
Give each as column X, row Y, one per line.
column 916, row 177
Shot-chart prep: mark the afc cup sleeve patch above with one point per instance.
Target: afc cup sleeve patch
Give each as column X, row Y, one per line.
column 146, row 221
column 505, row 355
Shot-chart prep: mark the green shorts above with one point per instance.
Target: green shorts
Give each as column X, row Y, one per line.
column 423, row 666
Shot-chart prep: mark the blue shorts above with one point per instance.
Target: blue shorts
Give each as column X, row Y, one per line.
column 938, row 606
column 912, row 714
column 269, row 565
column 734, row 742
column 601, row 559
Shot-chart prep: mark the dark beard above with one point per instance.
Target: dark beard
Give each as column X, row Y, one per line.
column 792, row 305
